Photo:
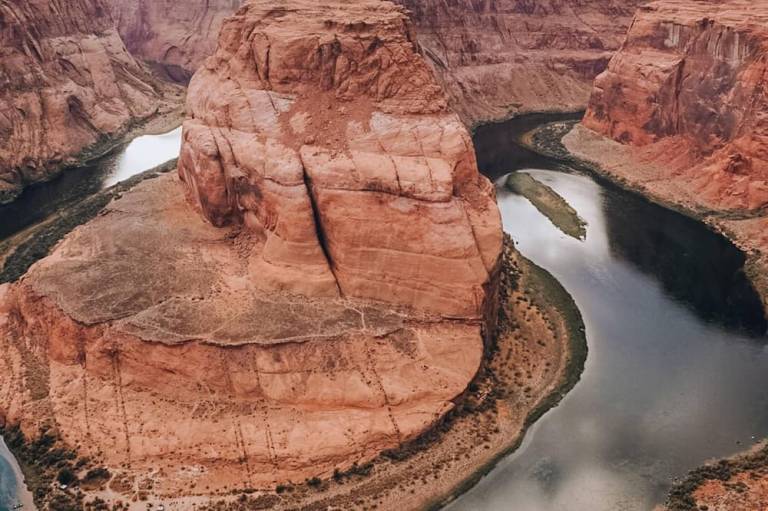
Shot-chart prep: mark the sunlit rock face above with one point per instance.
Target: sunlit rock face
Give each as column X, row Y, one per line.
column 497, row 58
column 321, row 129
column 67, row 84
column 328, row 300
column 689, row 84
column 175, row 37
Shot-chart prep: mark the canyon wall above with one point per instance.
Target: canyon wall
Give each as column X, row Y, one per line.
column 67, row 84
column 688, row 89
column 496, row 58
column 323, row 130
column 173, row 38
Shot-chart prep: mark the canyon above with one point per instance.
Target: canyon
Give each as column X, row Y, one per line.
column 318, row 307
column 500, row 58
column 680, row 115
column 69, row 89
column 174, row 40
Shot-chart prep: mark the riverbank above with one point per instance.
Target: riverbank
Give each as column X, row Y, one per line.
column 168, row 115
column 623, row 166
column 741, row 482
column 538, row 357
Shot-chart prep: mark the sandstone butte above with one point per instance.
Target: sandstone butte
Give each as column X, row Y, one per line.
column 682, row 114
column 67, row 86
column 328, row 302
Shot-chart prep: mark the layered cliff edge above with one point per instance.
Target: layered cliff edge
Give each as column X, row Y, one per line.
column 680, row 114
column 329, row 302
column 68, row 87
column 173, row 39
column 688, row 90
column 495, row 59
column 500, row 58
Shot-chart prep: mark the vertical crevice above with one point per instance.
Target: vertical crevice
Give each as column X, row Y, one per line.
column 319, row 231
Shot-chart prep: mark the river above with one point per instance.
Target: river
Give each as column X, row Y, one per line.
column 677, row 366
column 40, row 201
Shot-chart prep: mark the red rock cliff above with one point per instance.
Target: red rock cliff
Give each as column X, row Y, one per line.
column 174, row 38
column 689, row 85
column 323, row 130
column 500, row 57
column 67, row 83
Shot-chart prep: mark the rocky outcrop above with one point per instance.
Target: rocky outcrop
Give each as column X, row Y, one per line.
column 174, row 38
column 329, row 302
column 497, row 58
column 322, row 130
column 688, row 88
column 67, row 87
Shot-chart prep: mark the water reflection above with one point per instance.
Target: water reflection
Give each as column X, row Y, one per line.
column 41, row 200
column 13, row 494
column 675, row 375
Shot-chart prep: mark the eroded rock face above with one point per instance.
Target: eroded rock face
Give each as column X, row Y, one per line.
column 329, row 302
column 175, row 37
column 144, row 344
column 689, row 86
column 67, row 84
column 323, row 131
column 501, row 57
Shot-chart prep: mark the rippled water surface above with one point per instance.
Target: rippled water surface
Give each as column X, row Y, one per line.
column 677, row 366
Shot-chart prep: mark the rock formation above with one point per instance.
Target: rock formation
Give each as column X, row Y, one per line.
column 67, row 86
column 501, row 57
column 322, row 130
column 688, row 87
column 173, row 37
column 328, row 303
column 494, row 58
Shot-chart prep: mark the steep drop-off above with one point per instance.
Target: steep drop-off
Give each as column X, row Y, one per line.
column 680, row 114
column 172, row 37
column 329, row 303
column 67, row 87
column 497, row 58
column 689, row 87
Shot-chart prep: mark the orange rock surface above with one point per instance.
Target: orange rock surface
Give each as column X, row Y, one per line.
column 67, row 84
column 323, row 131
column 502, row 57
column 688, row 87
column 174, row 37
column 329, row 302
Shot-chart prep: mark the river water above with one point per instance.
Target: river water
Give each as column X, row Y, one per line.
column 39, row 202
column 677, row 366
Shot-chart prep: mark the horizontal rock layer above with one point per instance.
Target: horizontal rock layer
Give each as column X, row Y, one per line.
column 174, row 38
column 689, row 87
column 323, row 131
column 501, row 57
column 67, row 84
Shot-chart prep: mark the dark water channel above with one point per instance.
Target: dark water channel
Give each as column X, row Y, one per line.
column 678, row 359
